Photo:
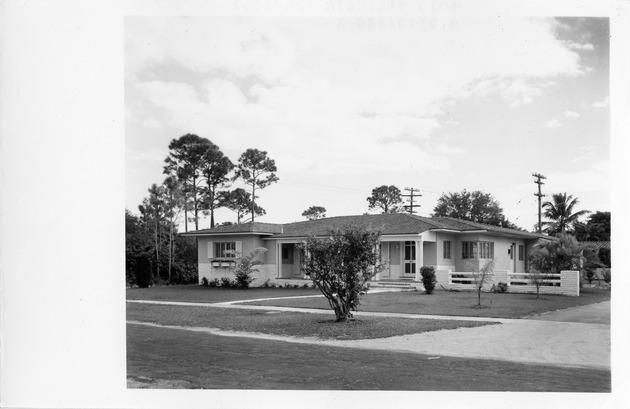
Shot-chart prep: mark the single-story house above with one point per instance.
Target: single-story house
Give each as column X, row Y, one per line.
column 408, row 242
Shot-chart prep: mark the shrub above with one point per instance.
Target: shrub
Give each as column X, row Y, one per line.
column 183, row 274
column 143, row 270
column 305, row 285
column 500, row 287
column 227, row 282
column 428, row 279
column 265, row 284
column 287, row 285
column 214, row 283
column 204, row 282
column 606, row 275
column 246, row 266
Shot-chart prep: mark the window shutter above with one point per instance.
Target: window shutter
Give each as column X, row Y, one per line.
column 210, row 249
column 239, row 247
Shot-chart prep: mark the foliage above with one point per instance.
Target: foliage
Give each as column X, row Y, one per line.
column 185, row 161
column 387, row 198
column 604, row 256
column 499, row 287
column 183, row 274
column 227, row 282
column 480, row 276
column 252, row 165
column 314, row 212
column 474, row 206
column 247, row 266
column 428, row 279
column 215, row 168
column 553, row 256
column 606, row 275
column 538, row 278
column 591, row 262
column 596, row 228
column 341, row 265
column 143, row 270
column 560, row 212
column 239, row 201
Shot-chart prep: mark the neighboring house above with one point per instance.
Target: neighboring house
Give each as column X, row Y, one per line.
column 408, row 242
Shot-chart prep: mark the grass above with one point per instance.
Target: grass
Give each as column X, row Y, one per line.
column 287, row 323
column 197, row 293
column 458, row 303
column 171, row 358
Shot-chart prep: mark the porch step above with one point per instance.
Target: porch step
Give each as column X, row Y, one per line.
column 393, row 285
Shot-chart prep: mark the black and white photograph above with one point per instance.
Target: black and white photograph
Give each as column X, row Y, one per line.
column 325, row 203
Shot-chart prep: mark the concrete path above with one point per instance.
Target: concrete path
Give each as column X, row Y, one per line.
column 575, row 337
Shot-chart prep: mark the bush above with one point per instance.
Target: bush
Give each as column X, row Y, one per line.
column 227, row 282
column 144, row 270
column 183, row 274
column 204, row 282
column 606, row 275
column 265, row 284
column 428, row 279
column 500, row 287
column 247, row 266
column 604, row 256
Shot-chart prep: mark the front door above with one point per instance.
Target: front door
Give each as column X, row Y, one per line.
column 409, row 258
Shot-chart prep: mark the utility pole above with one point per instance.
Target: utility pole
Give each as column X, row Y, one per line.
column 540, row 196
column 410, row 206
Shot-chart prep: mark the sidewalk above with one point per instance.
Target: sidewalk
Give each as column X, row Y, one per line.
column 546, row 339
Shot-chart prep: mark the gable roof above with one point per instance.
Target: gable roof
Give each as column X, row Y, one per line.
column 387, row 224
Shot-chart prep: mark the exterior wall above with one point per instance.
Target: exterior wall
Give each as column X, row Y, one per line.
column 441, row 262
column 248, row 243
column 501, row 255
column 267, row 272
column 429, row 250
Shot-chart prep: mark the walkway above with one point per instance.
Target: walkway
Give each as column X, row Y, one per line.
column 550, row 338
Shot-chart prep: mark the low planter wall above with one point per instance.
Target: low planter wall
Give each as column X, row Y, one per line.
column 565, row 283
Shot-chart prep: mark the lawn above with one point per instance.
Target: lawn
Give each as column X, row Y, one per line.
column 458, row 303
column 171, row 358
column 287, row 323
column 197, row 293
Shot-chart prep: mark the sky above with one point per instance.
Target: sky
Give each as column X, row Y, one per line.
column 346, row 104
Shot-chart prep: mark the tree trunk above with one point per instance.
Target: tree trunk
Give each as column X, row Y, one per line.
column 253, row 199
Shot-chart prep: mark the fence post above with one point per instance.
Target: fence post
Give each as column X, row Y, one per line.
column 570, row 282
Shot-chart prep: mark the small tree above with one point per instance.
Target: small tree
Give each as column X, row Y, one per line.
column 252, row 165
column 341, row 265
column 387, row 198
column 538, row 279
column 247, row 266
column 481, row 276
column 428, row 279
column 314, row 212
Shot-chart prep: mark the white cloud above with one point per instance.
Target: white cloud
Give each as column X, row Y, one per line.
column 602, row 103
column 581, row 46
column 571, row 114
column 553, row 123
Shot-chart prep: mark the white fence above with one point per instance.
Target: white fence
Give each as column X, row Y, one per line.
column 565, row 283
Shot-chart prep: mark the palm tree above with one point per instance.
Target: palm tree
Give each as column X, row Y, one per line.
column 560, row 212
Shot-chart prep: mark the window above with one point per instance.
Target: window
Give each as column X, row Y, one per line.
column 474, row 249
column 446, row 252
column 410, row 250
column 221, row 248
column 521, row 252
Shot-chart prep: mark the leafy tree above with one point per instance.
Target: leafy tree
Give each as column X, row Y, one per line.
column 553, row 256
column 340, row 266
column 252, row 165
column 596, row 228
column 314, row 212
column 214, row 169
column 474, row 206
column 153, row 211
column 173, row 203
column 560, row 212
column 387, row 198
column 186, row 160
column 239, row 201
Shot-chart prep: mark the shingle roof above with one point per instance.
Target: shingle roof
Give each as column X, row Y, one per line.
column 256, row 227
column 387, row 224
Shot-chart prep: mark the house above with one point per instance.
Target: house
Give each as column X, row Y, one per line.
column 408, row 242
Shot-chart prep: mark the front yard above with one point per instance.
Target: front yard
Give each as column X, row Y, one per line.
column 458, row 303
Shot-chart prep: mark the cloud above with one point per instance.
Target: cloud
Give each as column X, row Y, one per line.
column 570, row 114
column 581, row 47
column 553, row 123
column 602, row 103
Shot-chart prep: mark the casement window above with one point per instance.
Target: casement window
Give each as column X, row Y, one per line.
column 446, row 251
column 475, row 250
column 521, row 252
column 217, row 249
